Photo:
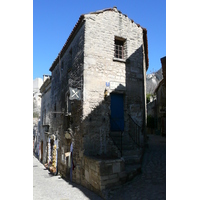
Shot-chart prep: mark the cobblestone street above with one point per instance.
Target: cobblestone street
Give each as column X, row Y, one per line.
column 151, row 183
column 48, row 187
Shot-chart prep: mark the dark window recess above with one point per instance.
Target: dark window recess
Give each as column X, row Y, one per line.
column 119, row 49
column 70, row 60
column 62, row 66
column 68, row 104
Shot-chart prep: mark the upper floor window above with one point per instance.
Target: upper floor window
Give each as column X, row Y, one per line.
column 62, row 66
column 119, row 48
column 70, row 60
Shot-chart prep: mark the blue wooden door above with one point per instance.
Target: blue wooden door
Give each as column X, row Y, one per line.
column 117, row 112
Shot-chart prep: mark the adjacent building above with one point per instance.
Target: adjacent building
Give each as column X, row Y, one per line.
column 98, row 100
column 160, row 108
column 36, row 114
column 45, row 138
column 36, row 97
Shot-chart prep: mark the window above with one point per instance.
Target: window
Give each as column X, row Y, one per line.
column 62, row 66
column 119, row 48
column 68, row 104
column 70, row 52
column 70, row 60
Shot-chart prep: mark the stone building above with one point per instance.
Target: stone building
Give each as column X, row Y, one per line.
column 160, row 108
column 37, row 96
column 98, row 99
column 45, row 148
column 36, row 114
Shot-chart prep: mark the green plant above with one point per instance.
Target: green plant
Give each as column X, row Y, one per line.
column 35, row 115
column 148, row 97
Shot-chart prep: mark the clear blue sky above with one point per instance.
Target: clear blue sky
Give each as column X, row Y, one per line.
column 54, row 20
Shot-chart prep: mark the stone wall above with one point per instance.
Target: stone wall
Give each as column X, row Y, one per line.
column 67, row 73
column 102, row 174
column 100, row 67
column 37, row 83
column 45, row 115
column 104, row 73
column 89, row 65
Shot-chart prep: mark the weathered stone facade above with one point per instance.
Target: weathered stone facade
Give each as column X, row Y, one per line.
column 45, row 118
column 90, row 62
column 37, row 83
column 160, row 110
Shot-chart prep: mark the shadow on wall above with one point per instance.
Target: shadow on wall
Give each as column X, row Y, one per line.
column 91, row 134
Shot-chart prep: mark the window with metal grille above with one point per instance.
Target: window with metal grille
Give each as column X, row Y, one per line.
column 119, row 49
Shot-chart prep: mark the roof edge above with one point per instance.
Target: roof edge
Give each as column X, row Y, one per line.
column 145, row 40
column 45, row 84
column 76, row 27
column 67, row 43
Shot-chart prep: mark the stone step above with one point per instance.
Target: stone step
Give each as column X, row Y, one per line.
column 132, row 152
column 131, row 170
column 125, row 145
column 132, row 156
column 125, row 141
column 132, row 159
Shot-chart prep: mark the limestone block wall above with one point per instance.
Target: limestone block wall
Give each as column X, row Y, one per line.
column 100, row 67
column 46, row 105
column 102, row 174
column 88, row 64
column 45, row 115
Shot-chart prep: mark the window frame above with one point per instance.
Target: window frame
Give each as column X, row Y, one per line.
column 119, row 42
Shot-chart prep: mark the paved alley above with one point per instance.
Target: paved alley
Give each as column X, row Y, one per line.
column 48, row 187
column 151, row 183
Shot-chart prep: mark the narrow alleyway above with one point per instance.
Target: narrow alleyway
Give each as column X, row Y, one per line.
column 151, row 183
column 48, row 187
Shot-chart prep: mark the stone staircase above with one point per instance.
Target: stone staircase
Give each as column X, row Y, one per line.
column 131, row 154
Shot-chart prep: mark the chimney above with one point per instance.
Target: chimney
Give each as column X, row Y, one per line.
column 115, row 8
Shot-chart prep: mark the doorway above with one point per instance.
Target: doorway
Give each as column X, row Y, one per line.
column 117, row 112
